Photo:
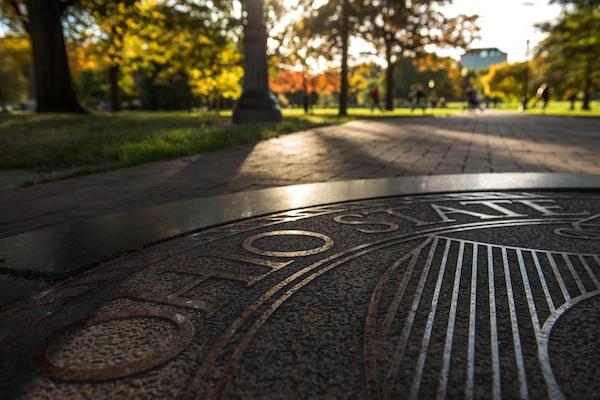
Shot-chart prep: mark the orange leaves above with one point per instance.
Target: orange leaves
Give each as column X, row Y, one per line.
column 290, row 81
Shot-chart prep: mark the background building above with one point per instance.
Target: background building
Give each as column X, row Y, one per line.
column 476, row 59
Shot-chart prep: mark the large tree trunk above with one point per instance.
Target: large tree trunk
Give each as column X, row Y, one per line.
column 587, row 87
column 343, row 106
column 53, row 89
column 115, row 93
column 389, row 78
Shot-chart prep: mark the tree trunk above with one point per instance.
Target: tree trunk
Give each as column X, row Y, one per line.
column 53, row 89
column 115, row 93
column 525, row 96
column 389, row 78
column 587, row 87
column 343, row 106
column 305, row 98
column 2, row 102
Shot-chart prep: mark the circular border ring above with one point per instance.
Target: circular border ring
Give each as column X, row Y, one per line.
column 42, row 361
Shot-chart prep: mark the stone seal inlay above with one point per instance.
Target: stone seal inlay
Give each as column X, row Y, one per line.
column 462, row 295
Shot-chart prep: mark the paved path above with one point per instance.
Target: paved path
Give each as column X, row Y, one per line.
column 492, row 142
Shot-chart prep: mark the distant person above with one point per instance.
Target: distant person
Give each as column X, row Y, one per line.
column 543, row 95
column 572, row 97
column 486, row 101
column 305, row 102
column 313, row 99
column 105, row 105
column 421, row 98
column 472, row 98
column 418, row 98
column 375, row 98
column 412, row 93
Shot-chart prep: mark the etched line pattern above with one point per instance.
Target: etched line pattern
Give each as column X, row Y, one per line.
column 496, row 390
column 511, row 295
column 472, row 319
column 427, row 335
column 443, row 383
column 515, row 328
column 406, row 330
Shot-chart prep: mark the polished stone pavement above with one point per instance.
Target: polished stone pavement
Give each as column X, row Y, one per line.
column 490, row 142
column 410, row 294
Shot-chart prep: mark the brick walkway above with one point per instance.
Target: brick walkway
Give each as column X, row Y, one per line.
column 493, row 142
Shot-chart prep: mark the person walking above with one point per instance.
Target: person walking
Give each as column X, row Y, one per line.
column 543, row 95
column 375, row 98
column 418, row 98
column 572, row 97
column 472, row 99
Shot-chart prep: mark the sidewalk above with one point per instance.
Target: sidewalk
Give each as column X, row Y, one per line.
column 493, row 142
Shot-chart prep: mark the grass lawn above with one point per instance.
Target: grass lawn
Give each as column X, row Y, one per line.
column 556, row 108
column 82, row 144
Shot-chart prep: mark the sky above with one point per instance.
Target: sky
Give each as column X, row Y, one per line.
column 506, row 24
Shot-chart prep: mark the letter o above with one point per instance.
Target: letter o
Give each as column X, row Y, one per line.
column 248, row 244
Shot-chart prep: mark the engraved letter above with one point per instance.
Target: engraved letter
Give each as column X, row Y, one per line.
column 546, row 210
column 394, row 212
column 341, row 219
column 248, row 244
column 443, row 212
column 495, row 205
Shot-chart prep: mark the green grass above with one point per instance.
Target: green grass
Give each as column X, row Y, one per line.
column 562, row 109
column 82, row 144
column 555, row 108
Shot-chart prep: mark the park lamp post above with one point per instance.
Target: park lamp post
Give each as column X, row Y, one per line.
column 257, row 103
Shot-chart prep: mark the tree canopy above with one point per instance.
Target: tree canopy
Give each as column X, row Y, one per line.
column 571, row 49
column 177, row 54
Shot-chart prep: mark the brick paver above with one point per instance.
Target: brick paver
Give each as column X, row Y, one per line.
column 491, row 142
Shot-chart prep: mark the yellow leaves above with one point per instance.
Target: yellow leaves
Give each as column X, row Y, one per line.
column 504, row 80
column 15, row 48
column 358, row 81
column 222, row 76
column 229, row 82
column 226, row 81
column 148, row 42
column 15, row 64
column 131, row 24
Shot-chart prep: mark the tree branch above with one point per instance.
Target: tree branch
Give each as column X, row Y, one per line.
column 64, row 4
column 20, row 15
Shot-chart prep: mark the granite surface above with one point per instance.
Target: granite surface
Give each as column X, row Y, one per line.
column 459, row 295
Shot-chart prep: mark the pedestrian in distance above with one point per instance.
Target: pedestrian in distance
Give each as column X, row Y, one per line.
column 375, row 98
column 417, row 98
column 572, row 97
column 472, row 98
column 543, row 95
